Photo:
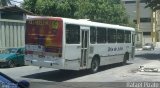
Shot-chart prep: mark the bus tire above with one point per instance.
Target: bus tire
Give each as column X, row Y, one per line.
column 94, row 65
column 126, row 57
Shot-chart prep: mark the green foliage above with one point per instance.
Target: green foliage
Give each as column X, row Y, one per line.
column 5, row 3
column 29, row 5
column 62, row 8
column 107, row 11
column 153, row 4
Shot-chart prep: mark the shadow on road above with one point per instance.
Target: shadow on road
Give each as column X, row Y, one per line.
column 149, row 56
column 59, row 75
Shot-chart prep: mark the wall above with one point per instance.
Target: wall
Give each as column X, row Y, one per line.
column 12, row 30
column 12, row 34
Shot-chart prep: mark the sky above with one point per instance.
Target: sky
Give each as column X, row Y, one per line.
column 16, row 2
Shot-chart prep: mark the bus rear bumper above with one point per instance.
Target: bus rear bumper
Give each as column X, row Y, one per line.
column 57, row 63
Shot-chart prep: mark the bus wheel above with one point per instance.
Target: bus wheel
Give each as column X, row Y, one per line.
column 126, row 57
column 94, row 65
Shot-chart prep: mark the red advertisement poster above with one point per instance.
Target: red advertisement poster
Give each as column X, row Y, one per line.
column 45, row 33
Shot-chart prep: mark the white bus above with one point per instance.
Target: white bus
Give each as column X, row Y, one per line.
column 71, row 44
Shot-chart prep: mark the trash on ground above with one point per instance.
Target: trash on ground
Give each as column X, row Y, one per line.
column 144, row 69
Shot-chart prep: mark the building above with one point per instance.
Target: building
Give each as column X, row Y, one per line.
column 12, row 27
column 157, row 18
column 144, row 25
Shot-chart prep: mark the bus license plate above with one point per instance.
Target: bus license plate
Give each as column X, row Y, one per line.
column 34, row 48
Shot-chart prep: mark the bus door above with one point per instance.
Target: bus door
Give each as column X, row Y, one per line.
column 84, row 46
column 133, row 44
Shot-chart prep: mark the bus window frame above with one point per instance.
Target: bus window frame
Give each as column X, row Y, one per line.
column 73, row 33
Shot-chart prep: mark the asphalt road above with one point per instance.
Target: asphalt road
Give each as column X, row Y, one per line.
column 111, row 73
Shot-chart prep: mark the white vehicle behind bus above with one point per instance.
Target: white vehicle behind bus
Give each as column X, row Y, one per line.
column 71, row 44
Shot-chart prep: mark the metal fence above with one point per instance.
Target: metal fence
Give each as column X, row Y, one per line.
column 12, row 33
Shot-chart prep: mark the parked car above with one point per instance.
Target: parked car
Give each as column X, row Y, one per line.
column 7, row 82
column 148, row 46
column 12, row 57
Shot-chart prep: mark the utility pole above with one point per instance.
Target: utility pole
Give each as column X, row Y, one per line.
column 153, row 21
column 139, row 33
column 138, row 15
column 158, row 25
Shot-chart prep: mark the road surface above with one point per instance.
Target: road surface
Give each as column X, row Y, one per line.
column 110, row 73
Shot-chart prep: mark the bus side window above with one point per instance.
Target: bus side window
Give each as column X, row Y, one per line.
column 101, row 35
column 112, row 36
column 120, row 36
column 133, row 39
column 93, row 35
column 127, row 37
column 72, row 34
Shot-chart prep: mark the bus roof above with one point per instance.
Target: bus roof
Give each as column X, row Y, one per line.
column 83, row 22
column 97, row 24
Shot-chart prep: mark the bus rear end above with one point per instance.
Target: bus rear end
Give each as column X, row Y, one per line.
column 43, row 41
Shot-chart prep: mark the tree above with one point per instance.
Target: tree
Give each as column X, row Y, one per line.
column 63, row 8
column 107, row 11
column 29, row 5
column 5, row 2
column 153, row 4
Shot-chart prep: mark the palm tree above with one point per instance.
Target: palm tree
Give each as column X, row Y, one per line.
column 5, row 3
